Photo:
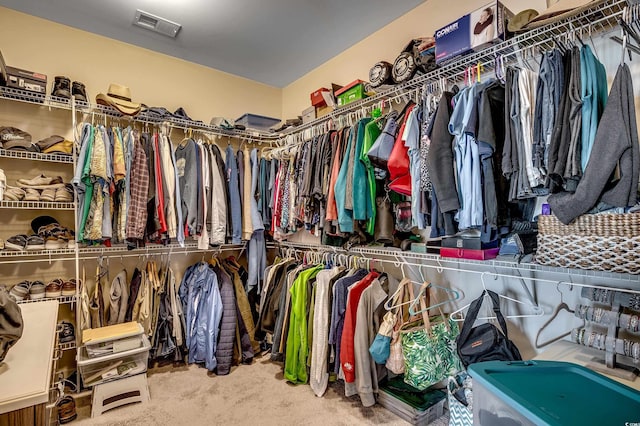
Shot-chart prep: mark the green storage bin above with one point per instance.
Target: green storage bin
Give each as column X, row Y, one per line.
column 354, row 93
column 549, row 393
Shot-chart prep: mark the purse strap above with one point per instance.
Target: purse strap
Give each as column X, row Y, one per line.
column 474, row 309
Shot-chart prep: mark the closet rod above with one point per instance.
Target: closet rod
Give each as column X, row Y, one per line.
column 601, row 17
column 253, row 137
column 398, row 262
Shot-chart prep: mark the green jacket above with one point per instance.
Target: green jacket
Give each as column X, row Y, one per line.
column 295, row 363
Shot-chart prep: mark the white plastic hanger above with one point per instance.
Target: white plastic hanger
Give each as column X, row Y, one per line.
column 425, row 287
column 405, row 282
column 537, row 310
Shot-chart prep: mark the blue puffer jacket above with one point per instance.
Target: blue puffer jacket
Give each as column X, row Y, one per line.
column 201, row 302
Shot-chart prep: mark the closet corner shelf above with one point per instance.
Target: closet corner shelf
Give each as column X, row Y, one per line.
column 36, row 205
column 61, row 300
column 37, row 156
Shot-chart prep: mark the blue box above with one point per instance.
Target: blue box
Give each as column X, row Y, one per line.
column 254, row 121
column 472, row 32
column 532, row 393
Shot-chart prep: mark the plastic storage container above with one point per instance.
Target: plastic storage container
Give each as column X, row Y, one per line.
column 115, row 366
column 351, row 92
column 549, row 393
column 259, row 122
column 112, row 339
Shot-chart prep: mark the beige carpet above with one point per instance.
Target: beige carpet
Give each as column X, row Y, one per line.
column 251, row 395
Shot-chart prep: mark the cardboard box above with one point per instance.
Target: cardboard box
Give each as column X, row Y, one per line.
column 324, row 110
column 308, row 114
column 472, row 32
column 460, row 253
column 317, row 100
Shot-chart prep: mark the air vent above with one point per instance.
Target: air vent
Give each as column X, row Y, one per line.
column 155, row 23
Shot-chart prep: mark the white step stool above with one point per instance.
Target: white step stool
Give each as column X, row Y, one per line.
column 119, row 392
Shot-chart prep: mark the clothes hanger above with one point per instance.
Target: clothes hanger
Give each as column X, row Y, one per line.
column 426, row 287
column 561, row 307
column 537, row 310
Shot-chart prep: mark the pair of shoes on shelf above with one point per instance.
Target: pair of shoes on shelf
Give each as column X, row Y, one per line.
column 63, row 88
column 3, row 184
column 28, row 290
column 57, row 194
column 56, row 237
column 23, row 242
column 13, row 193
column 66, row 332
column 66, row 407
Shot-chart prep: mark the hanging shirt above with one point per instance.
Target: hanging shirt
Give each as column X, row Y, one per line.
column 234, row 196
column 137, row 211
column 345, row 215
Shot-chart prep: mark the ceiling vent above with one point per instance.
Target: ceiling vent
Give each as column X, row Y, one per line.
column 155, row 23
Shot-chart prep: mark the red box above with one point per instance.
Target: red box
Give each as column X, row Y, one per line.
column 348, row 86
column 316, row 97
column 460, row 253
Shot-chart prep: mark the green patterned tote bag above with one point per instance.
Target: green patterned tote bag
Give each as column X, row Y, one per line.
column 429, row 350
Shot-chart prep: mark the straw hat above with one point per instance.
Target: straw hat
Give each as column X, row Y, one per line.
column 119, row 97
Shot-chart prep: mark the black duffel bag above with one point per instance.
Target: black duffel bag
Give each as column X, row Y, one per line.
column 485, row 342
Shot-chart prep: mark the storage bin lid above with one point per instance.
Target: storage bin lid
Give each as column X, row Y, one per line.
column 94, row 336
column 558, row 393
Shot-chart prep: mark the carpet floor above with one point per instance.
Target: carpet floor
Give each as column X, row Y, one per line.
column 251, row 395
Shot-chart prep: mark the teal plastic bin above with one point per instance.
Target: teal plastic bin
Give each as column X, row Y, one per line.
column 549, row 393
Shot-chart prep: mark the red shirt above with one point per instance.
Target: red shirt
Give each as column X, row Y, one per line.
column 347, row 352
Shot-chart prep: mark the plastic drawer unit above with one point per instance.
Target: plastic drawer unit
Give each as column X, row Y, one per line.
column 115, row 366
column 112, row 339
column 549, row 393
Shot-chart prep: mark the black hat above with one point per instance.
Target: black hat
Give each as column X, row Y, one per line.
column 41, row 221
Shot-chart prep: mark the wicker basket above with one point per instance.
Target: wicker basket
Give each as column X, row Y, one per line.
column 602, row 242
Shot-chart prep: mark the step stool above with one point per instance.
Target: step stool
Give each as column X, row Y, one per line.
column 119, row 392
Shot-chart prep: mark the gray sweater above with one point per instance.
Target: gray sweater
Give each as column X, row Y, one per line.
column 615, row 146
column 186, row 162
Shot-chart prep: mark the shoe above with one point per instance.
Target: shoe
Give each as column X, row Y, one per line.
column 48, row 194
column 69, row 288
column 55, row 236
column 66, row 409
column 61, row 87
column 66, row 332
column 13, row 193
column 20, row 291
column 37, row 290
column 35, row 242
column 17, row 243
column 54, row 288
column 78, row 90
column 64, row 194
column 32, row 194
column 41, row 182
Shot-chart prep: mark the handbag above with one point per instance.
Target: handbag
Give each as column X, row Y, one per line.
column 11, row 324
column 460, row 399
column 485, row 342
column 381, row 149
column 429, row 349
column 395, row 362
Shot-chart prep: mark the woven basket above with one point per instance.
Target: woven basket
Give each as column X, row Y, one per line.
column 606, row 242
